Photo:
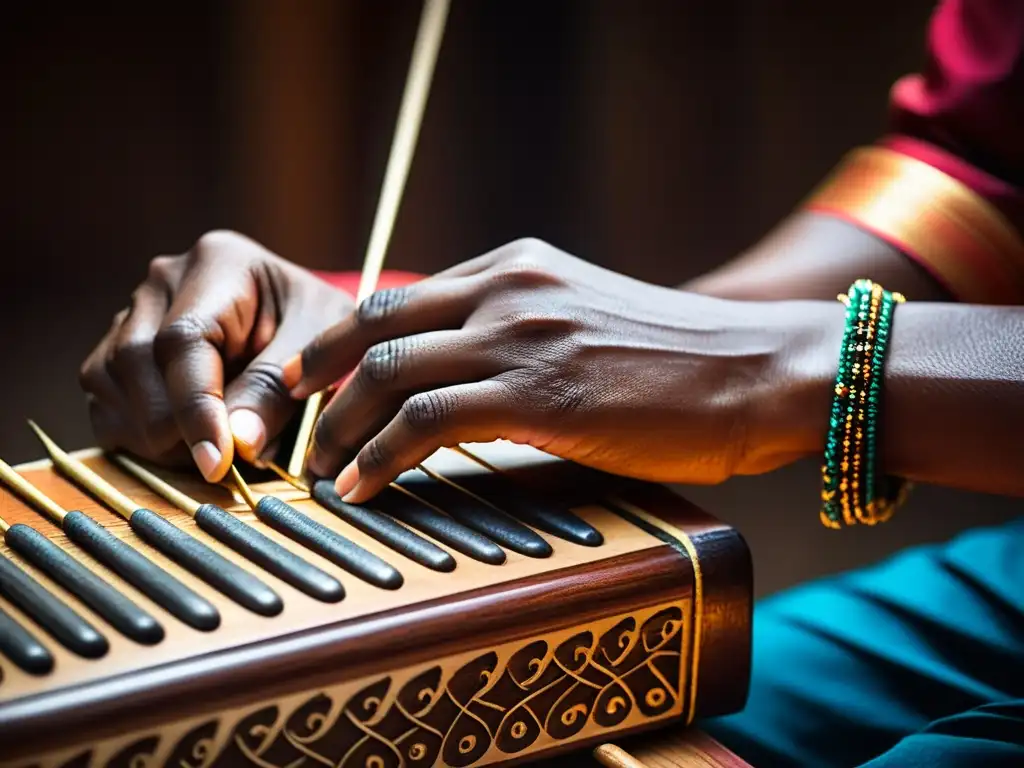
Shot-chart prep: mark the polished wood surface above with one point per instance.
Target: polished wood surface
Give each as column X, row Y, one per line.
column 301, row 612
column 432, row 617
column 667, row 748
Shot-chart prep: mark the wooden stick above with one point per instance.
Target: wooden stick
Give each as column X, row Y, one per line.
column 410, row 117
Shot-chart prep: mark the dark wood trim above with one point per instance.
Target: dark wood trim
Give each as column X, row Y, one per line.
column 726, row 564
column 727, row 567
column 333, row 654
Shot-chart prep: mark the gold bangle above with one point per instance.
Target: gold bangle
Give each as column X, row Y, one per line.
column 953, row 232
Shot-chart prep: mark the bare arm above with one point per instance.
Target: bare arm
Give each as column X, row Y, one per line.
column 953, row 398
column 814, row 256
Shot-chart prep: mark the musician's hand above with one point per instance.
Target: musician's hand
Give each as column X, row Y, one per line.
column 535, row 346
column 198, row 354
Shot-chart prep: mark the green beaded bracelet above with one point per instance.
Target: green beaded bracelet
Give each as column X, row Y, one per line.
column 853, row 489
column 886, row 493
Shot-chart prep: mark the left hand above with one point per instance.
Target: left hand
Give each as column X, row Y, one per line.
column 532, row 345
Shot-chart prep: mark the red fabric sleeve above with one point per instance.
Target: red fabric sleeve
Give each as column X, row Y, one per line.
column 964, row 112
column 349, row 281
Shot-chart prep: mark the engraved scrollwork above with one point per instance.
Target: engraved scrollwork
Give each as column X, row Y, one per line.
column 251, row 737
column 194, row 750
column 139, row 754
column 468, row 738
column 552, row 687
column 405, row 724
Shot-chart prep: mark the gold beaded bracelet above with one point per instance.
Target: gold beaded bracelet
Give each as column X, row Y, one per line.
column 853, row 489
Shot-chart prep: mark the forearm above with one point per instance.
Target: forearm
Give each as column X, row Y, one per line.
column 815, row 256
column 953, row 393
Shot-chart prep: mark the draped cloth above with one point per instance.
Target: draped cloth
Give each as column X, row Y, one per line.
column 914, row 662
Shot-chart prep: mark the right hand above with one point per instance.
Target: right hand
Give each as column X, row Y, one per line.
column 193, row 366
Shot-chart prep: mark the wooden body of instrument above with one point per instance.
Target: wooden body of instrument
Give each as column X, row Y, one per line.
column 484, row 664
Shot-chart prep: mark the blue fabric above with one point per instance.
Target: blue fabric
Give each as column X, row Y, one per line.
column 917, row 661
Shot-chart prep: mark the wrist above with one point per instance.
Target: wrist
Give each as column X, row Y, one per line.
column 787, row 416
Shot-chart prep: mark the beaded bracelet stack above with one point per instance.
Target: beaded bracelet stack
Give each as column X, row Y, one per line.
column 853, row 489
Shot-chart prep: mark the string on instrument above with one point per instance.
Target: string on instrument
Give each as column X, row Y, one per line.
column 244, row 539
column 403, row 145
column 410, row 117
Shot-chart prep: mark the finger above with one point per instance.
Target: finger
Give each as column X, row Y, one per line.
column 193, row 373
column 258, row 402
column 267, row 320
column 209, row 321
column 479, row 412
column 109, row 429
column 114, row 432
column 94, row 376
column 133, row 366
column 388, row 314
column 388, row 374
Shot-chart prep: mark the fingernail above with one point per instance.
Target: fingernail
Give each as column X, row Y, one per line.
column 291, row 375
column 207, row 458
column 248, row 429
column 347, row 480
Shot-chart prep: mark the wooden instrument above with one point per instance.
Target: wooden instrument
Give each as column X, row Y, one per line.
column 495, row 605
column 577, row 608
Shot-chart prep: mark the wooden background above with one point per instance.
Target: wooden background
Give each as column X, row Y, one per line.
column 657, row 137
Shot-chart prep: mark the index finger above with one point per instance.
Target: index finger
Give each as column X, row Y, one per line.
column 209, row 319
column 193, row 373
column 431, row 305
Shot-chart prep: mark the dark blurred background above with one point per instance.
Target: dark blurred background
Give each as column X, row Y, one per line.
column 655, row 137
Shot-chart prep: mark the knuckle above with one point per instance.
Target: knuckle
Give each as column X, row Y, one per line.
column 195, row 406
column 264, row 380
column 381, row 305
column 217, row 242
column 534, row 325
column 374, row 457
column 382, row 362
column 87, row 376
column 162, row 269
column 130, row 355
column 428, row 411
column 527, row 245
column 179, row 334
column 526, row 272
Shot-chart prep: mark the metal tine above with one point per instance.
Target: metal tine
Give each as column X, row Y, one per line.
column 36, row 548
column 150, row 579
column 213, row 568
column 285, row 519
column 244, row 539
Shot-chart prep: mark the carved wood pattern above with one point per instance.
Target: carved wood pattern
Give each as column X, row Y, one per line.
column 473, row 709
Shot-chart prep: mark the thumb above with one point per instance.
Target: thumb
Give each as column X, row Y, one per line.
column 258, row 402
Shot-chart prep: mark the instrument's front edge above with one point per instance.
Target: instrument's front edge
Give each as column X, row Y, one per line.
column 723, row 589
column 489, row 678
column 483, row 707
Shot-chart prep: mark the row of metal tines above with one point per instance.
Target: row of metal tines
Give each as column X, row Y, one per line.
column 421, row 517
